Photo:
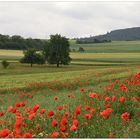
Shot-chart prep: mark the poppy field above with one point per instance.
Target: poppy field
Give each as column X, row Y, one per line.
column 94, row 106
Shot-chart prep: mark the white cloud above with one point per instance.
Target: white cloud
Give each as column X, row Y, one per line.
column 72, row 19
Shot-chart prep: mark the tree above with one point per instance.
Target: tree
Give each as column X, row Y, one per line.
column 81, row 49
column 5, row 64
column 32, row 57
column 57, row 50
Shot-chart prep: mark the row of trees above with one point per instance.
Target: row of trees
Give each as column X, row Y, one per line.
column 17, row 42
column 55, row 51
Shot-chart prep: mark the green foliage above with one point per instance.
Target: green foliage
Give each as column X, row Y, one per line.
column 81, row 49
column 17, row 42
column 57, row 50
column 32, row 57
column 5, row 64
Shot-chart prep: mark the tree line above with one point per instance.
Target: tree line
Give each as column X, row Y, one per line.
column 17, row 42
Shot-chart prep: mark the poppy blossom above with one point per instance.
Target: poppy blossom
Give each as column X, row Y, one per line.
column 62, row 128
column 55, row 98
column 54, row 123
column 4, row 133
column 27, row 135
column 125, row 116
column 50, row 113
column 73, row 128
column 93, row 110
column 55, row 135
column 59, row 108
column 75, row 122
column 122, row 99
column 87, row 116
column 77, row 111
column 35, row 107
column 42, row 111
column 64, row 121
column 138, row 74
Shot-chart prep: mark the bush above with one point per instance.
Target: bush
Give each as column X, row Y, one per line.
column 5, row 64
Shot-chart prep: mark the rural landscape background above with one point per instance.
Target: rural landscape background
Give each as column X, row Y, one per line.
column 95, row 96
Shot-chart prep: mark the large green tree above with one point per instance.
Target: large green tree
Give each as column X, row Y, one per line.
column 32, row 57
column 57, row 50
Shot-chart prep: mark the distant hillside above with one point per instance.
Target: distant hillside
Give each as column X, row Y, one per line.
column 121, row 34
column 117, row 35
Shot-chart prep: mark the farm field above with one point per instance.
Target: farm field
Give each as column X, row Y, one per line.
column 96, row 96
column 113, row 47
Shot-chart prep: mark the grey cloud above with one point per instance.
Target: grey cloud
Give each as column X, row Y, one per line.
column 72, row 19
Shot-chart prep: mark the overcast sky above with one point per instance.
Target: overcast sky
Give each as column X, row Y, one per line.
column 71, row 19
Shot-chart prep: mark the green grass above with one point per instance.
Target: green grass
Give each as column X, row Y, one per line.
column 86, row 70
column 113, row 47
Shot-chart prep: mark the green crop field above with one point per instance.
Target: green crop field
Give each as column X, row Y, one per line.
column 96, row 96
column 113, row 47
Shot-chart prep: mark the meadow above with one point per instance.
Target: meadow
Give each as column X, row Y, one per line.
column 96, row 96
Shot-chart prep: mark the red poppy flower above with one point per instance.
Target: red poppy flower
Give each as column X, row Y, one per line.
column 27, row 135
column 35, row 107
column 55, row 98
column 27, row 110
column 42, row 111
column 122, row 99
column 75, row 122
column 138, row 74
column 107, row 99
column 55, row 135
column 64, row 121
column 4, row 133
column 87, row 116
column 62, row 128
column 125, row 116
column 77, row 111
column 51, row 113
column 92, row 111
column 82, row 89
column 32, row 116
column 87, row 108
column 73, row 128
column 1, row 114
column 113, row 98
column 54, row 123
column 60, row 108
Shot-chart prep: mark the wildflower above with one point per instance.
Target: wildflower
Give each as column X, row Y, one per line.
column 60, row 108
column 32, row 116
column 64, row 121
column 77, row 111
column 92, row 111
column 82, row 89
column 138, row 74
column 122, row 99
column 35, row 107
column 27, row 135
column 75, row 122
column 54, row 123
column 125, row 116
column 62, row 128
column 73, row 128
column 87, row 116
column 50, row 113
column 55, row 98
column 42, row 111
column 87, row 108
column 1, row 114
column 27, row 110
column 107, row 99
column 55, row 135
column 4, row 133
